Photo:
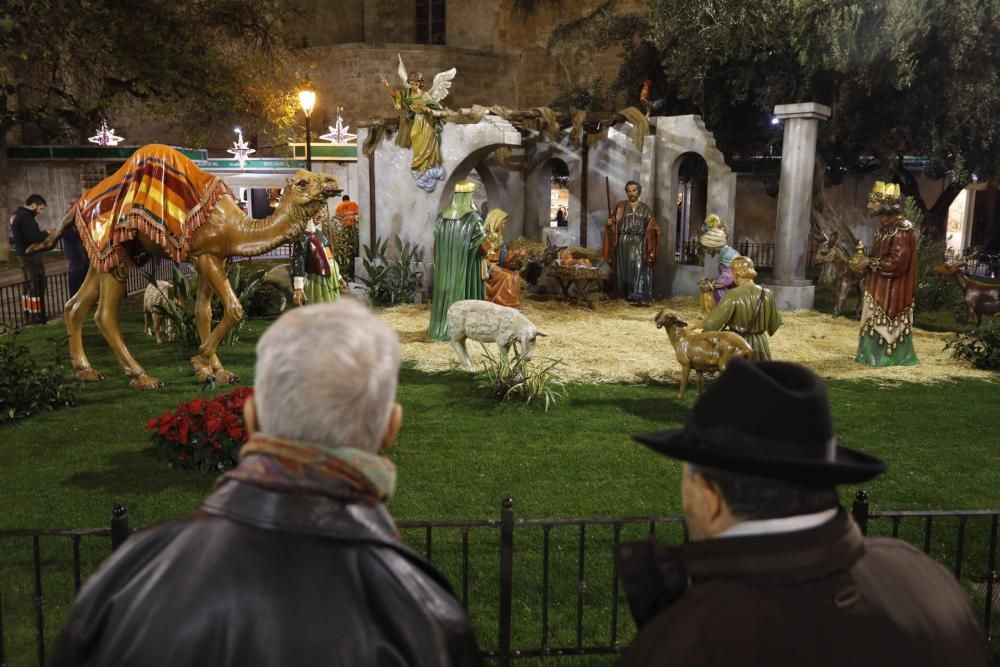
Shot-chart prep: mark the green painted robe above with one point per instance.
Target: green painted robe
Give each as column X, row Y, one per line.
column 457, row 268
column 736, row 313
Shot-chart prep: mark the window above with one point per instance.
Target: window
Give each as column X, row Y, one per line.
column 430, row 22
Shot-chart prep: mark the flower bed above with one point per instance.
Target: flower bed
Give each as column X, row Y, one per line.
column 204, row 433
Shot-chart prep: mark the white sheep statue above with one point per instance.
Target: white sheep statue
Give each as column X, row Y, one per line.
column 156, row 295
column 488, row 322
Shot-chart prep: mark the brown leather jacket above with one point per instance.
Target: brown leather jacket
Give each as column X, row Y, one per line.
column 820, row 597
column 258, row 578
column 893, row 281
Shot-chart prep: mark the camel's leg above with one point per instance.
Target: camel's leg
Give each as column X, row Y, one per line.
column 112, row 287
column 458, row 344
column 212, row 272
column 685, row 371
column 74, row 313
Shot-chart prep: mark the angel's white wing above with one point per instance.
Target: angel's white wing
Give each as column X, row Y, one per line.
column 402, row 71
column 442, row 83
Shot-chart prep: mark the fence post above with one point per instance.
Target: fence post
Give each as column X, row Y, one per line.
column 3, row 659
column 119, row 526
column 506, row 578
column 859, row 510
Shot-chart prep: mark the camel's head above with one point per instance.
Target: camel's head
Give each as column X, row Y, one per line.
column 668, row 320
column 306, row 187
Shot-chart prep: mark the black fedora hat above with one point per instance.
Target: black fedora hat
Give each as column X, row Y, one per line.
column 768, row 419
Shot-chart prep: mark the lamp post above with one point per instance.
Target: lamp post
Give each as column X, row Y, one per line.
column 307, row 100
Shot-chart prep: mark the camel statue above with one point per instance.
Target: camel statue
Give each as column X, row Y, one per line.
column 160, row 204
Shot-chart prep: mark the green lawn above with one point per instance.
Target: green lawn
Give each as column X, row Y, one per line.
column 460, row 453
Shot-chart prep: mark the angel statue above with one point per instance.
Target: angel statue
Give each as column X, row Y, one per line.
column 423, row 120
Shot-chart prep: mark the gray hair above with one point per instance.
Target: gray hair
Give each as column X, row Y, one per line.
column 327, row 374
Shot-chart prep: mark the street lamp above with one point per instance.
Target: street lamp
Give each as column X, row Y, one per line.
column 307, row 100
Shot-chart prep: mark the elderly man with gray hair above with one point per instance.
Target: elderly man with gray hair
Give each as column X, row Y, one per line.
column 293, row 559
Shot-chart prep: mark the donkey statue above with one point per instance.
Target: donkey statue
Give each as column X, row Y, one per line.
column 837, row 267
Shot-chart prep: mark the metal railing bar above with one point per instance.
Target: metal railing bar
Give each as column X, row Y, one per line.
column 39, row 601
column 581, row 586
column 545, row 586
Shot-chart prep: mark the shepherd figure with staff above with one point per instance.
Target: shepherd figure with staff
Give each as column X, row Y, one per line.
column 631, row 244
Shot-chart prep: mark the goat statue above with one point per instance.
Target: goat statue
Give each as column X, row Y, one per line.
column 701, row 351
column 837, row 267
column 981, row 298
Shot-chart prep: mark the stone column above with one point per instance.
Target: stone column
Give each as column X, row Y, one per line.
column 791, row 235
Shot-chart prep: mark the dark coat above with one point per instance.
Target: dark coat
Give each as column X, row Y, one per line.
column 818, row 597
column 24, row 228
column 261, row 578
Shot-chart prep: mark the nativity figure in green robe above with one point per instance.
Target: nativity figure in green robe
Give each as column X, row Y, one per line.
column 748, row 309
column 459, row 258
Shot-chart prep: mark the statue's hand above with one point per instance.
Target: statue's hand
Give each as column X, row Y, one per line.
column 299, row 297
column 859, row 263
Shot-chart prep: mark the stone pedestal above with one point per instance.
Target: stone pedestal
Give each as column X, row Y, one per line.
column 791, row 234
column 793, row 297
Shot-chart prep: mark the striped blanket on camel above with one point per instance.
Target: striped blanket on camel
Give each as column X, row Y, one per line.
column 158, row 193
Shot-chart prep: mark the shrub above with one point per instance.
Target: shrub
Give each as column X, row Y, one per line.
column 979, row 346
column 507, row 377
column 179, row 308
column 206, row 434
column 388, row 277
column 27, row 387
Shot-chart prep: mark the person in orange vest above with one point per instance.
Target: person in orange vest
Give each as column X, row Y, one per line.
column 347, row 235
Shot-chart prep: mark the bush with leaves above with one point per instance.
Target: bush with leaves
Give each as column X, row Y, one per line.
column 507, row 377
column 28, row 387
column 389, row 278
column 933, row 292
column 179, row 308
column 979, row 346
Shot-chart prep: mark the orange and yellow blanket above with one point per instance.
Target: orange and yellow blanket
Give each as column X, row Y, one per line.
column 159, row 193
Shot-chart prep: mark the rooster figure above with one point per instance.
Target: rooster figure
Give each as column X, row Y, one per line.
column 652, row 107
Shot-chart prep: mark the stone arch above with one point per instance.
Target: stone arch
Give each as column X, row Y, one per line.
column 537, row 188
column 399, row 206
column 675, row 137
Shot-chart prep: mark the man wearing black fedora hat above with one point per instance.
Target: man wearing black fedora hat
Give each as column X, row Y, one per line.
column 777, row 573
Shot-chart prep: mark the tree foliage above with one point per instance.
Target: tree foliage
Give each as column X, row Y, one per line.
column 65, row 63
column 914, row 77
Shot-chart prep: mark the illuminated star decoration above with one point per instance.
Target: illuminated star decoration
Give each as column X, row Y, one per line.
column 241, row 149
column 339, row 134
column 105, row 137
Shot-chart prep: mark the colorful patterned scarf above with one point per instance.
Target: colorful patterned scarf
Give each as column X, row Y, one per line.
column 158, row 192
column 300, row 467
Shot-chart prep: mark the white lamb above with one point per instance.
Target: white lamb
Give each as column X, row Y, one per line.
column 488, row 322
column 156, row 295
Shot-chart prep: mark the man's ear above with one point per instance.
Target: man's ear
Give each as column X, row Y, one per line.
column 392, row 429
column 250, row 415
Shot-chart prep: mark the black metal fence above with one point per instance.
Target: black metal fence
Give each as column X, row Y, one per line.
column 762, row 254
column 57, row 291
column 587, row 600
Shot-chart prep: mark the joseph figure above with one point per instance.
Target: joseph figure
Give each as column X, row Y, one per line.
column 459, row 268
column 631, row 243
